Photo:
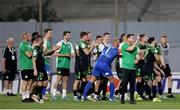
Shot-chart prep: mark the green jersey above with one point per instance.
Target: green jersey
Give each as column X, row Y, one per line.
column 47, row 45
column 81, row 44
column 66, row 48
column 128, row 57
column 150, row 57
column 158, row 49
column 25, row 61
column 141, row 47
column 85, row 60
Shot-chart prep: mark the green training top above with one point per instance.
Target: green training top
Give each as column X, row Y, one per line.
column 128, row 57
column 25, row 61
column 66, row 48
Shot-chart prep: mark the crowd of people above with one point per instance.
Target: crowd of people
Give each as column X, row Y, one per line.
column 141, row 62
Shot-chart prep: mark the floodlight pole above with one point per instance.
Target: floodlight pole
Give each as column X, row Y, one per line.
column 158, row 12
column 40, row 16
column 125, row 15
column 116, row 18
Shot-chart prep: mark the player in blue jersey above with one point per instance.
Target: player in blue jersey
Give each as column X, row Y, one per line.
column 102, row 67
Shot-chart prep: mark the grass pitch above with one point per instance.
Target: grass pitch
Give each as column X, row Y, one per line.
column 9, row 102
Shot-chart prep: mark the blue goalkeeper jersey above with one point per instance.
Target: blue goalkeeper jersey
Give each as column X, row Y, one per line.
column 107, row 56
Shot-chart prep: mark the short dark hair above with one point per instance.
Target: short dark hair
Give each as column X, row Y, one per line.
column 151, row 39
column 121, row 38
column 83, row 33
column 47, row 30
column 98, row 36
column 142, row 36
column 106, row 33
column 35, row 37
column 129, row 35
column 65, row 32
column 34, row 33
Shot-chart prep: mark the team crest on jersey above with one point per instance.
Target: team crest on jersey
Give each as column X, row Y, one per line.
column 26, row 76
column 156, row 51
column 59, row 72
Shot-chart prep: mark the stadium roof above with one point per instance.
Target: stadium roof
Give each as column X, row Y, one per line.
column 145, row 10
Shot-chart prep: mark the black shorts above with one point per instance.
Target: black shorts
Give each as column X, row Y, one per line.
column 139, row 70
column 167, row 71
column 77, row 71
column 41, row 76
column 89, row 71
column 148, row 72
column 85, row 67
column 27, row 74
column 82, row 73
column 63, row 71
column 10, row 75
column 79, row 75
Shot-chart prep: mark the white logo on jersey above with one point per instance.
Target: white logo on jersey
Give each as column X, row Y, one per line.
column 106, row 73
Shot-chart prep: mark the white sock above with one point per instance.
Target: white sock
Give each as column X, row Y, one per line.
column 63, row 93
column 126, row 96
column 5, row 90
column 27, row 94
column 10, row 91
column 23, row 95
column 54, row 92
column 95, row 96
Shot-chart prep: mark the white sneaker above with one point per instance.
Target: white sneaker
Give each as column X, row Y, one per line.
column 111, row 100
column 116, row 96
column 90, row 98
column 156, row 100
column 135, row 95
column 41, row 101
column 127, row 97
column 95, row 98
column 83, row 98
column 34, row 97
column 139, row 98
column 162, row 97
column 76, row 98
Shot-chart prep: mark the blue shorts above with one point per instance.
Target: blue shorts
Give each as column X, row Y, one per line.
column 47, row 67
column 102, row 69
